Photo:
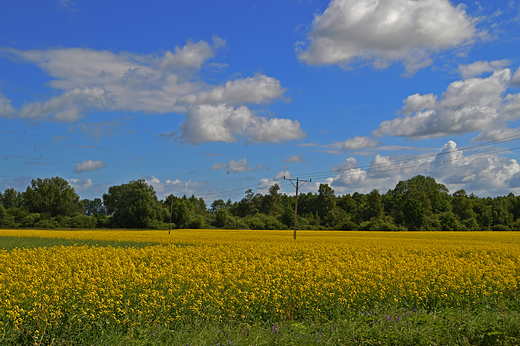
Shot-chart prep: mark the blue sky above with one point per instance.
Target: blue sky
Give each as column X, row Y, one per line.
column 212, row 98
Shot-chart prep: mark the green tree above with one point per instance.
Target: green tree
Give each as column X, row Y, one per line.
column 462, row 205
column 94, row 207
column 6, row 219
column 216, row 205
column 326, row 200
column 375, row 206
column 11, row 198
column 414, row 214
column 53, row 196
column 272, row 203
column 134, row 205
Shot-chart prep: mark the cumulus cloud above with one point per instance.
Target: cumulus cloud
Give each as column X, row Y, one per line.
column 359, row 142
column 192, row 55
column 382, row 32
column 86, row 188
column 295, row 159
column 178, row 187
column 88, row 166
column 223, row 123
column 236, row 166
column 483, row 175
column 349, row 163
column 471, row 105
column 256, row 90
column 266, row 183
column 479, row 67
column 165, row 82
column 6, row 110
column 515, row 81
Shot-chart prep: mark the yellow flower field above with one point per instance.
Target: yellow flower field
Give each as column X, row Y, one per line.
column 248, row 276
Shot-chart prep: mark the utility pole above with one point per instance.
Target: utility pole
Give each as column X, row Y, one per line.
column 171, row 211
column 297, row 186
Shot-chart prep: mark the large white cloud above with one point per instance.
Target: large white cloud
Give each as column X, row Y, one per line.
column 223, row 123
column 385, row 31
column 484, row 175
column 166, row 82
column 471, row 105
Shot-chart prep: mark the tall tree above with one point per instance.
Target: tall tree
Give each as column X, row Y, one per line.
column 53, row 196
column 375, row 206
column 462, row 205
column 134, row 205
column 11, row 198
column 94, row 207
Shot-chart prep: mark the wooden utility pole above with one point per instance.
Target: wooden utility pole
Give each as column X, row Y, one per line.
column 297, row 186
column 171, row 211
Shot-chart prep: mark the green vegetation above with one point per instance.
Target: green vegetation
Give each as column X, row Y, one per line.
column 418, row 204
column 9, row 243
column 413, row 328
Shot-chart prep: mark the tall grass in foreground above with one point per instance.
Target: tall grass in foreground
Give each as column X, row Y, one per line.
column 370, row 286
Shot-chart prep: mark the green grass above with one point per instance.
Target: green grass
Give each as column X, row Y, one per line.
column 9, row 243
column 446, row 327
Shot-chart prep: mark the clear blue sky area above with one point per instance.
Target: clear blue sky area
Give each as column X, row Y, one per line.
column 213, row 98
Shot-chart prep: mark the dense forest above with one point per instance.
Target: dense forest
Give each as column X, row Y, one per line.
column 418, row 204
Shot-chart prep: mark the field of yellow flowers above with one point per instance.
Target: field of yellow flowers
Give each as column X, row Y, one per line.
column 248, row 277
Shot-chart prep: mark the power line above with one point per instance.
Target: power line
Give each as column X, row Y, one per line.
column 389, row 166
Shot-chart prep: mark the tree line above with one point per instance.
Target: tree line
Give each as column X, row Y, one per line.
column 418, row 204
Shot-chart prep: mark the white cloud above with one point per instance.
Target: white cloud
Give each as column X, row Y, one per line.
column 222, row 123
column 359, row 142
column 266, row 183
column 88, row 166
column 471, row 105
column 256, row 90
column 85, row 188
column 349, row 163
column 234, row 166
column 295, row 159
column 192, row 55
column 479, row 67
column 416, row 102
column 495, row 134
column 515, row 81
column 487, row 175
column 166, row 82
column 80, row 184
column 382, row 32
column 178, row 187
column 6, row 110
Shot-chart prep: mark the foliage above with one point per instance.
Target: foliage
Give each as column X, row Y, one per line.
column 53, row 196
column 419, row 203
column 133, row 205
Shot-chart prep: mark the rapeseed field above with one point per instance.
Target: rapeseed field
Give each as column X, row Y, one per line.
column 248, row 278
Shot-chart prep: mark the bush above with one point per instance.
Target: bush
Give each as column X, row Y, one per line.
column 6, row 219
column 80, row 221
column 347, row 225
column 31, row 220
column 44, row 224
column 262, row 221
column 500, row 228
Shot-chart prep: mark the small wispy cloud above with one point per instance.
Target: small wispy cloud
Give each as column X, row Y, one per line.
column 88, row 166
